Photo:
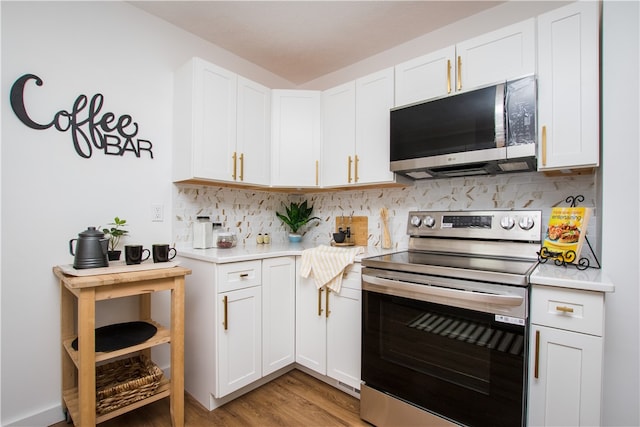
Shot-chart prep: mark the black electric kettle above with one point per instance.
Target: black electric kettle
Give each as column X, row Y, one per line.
column 91, row 249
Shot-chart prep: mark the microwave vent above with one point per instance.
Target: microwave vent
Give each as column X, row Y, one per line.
column 514, row 166
column 419, row 175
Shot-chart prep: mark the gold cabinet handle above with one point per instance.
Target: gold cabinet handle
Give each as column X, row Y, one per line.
column 320, row 301
column 242, row 167
column 235, row 158
column 244, row 275
column 327, row 312
column 349, row 161
column 317, row 172
column 448, row 76
column 536, row 361
column 459, row 82
column 356, row 178
column 564, row 309
column 225, row 323
column 544, row 146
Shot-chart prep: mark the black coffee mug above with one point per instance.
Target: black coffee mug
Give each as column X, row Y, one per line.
column 162, row 253
column 135, row 254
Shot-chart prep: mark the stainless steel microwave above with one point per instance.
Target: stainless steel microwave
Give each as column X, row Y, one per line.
column 486, row 131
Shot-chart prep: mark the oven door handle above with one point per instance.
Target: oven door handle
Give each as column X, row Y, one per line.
column 430, row 292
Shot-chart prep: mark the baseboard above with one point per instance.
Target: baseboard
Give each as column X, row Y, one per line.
column 42, row 419
column 331, row 381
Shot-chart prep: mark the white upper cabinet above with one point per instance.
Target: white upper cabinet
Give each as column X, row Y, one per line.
column 253, row 148
column 355, row 146
column 221, row 126
column 497, row 56
column 296, row 138
column 374, row 100
column 339, row 135
column 500, row 55
column 568, row 87
column 429, row 76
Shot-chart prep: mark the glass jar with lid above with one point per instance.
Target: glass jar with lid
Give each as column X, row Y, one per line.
column 226, row 240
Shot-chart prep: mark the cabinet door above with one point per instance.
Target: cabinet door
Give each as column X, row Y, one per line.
column 311, row 332
column 253, row 149
column 497, row 56
column 339, row 135
column 278, row 313
column 374, row 100
column 567, row 389
column 204, row 122
column 295, row 138
column 425, row 77
column 568, row 87
column 239, row 339
column 344, row 336
column 214, row 117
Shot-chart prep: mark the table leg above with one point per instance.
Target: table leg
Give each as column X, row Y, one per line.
column 177, row 353
column 67, row 331
column 86, row 358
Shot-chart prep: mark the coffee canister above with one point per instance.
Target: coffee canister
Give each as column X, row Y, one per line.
column 204, row 233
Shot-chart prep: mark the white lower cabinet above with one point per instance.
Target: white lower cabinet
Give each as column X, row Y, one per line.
column 239, row 339
column 239, row 324
column 328, row 327
column 278, row 313
column 565, row 368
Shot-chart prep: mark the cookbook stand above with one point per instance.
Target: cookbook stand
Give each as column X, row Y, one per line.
column 569, row 257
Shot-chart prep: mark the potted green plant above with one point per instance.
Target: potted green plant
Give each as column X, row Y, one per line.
column 115, row 233
column 297, row 215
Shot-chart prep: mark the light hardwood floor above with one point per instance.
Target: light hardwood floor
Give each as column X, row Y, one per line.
column 294, row 399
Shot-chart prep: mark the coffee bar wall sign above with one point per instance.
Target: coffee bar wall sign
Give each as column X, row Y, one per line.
column 89, row 128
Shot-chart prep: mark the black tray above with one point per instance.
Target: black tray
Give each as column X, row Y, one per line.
column 121, row 335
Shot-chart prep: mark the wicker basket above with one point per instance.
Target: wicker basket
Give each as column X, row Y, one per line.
column 125, row 381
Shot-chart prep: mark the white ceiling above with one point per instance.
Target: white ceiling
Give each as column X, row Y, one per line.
column 303, row 40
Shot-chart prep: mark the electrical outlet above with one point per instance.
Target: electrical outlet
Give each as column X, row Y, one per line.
column 157, row 213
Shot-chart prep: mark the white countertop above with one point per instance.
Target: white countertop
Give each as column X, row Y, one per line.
column 591, row 279
column 548, row 274
column 250, row 252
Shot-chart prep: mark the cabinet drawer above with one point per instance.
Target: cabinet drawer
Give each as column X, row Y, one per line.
column 352, row 277
column 239, row 275
column 569, row 309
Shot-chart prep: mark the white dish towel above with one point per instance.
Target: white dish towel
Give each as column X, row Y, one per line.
column 326, row 264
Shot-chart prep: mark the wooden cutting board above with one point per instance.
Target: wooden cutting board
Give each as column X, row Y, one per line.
column 359, row 228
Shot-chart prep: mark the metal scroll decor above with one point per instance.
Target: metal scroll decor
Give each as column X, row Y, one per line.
column 568, row 257
column 89, row 128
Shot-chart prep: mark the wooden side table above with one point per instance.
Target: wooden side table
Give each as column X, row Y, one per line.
column 78, row 367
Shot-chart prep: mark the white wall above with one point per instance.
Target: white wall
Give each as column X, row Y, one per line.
column 50, row 194
column 621, row 210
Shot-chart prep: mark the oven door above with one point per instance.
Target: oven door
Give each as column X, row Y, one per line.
column 462, row 364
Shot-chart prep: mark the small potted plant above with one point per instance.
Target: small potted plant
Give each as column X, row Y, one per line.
column 115, row 233
column 297, row 215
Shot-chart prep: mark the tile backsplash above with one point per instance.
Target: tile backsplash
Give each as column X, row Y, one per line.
column 249, row 212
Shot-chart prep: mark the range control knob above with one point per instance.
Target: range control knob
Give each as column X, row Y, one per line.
column 526, row 223
column 428, row 221
column 507, row 222
column 415, row 221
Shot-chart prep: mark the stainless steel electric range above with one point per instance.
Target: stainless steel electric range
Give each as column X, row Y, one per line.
column 445, row 323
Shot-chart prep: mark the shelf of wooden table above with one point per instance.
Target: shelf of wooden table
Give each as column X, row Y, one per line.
column 162, row 336
column 78, row 367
